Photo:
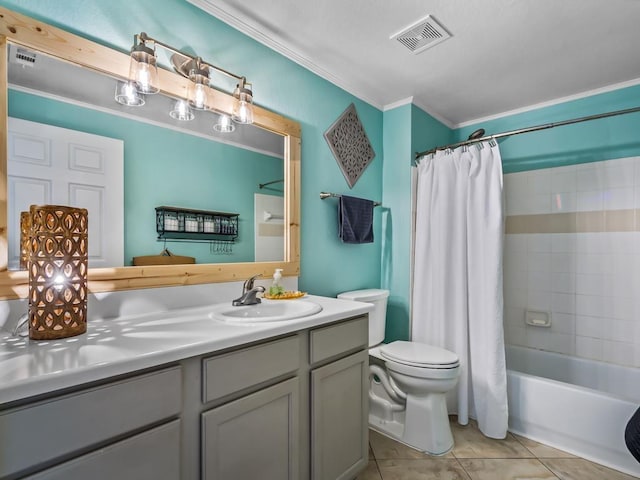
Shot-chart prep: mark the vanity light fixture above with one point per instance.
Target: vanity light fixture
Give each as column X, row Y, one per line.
column 143, row 73
column 57, row 262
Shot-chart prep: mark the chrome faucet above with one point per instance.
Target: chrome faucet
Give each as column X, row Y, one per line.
column 249, row 293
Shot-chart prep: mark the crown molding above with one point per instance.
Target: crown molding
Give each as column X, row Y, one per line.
column 445, row 121
column 398, row 103
column 416, row 103
column 550, row 103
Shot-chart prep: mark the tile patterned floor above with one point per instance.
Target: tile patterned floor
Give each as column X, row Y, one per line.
column 476, row 457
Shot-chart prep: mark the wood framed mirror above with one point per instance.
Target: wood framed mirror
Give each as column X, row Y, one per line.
column 17, row 30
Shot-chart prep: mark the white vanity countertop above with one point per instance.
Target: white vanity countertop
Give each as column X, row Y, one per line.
column 125, row 344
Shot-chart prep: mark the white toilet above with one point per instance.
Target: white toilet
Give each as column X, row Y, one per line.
column 408, row 383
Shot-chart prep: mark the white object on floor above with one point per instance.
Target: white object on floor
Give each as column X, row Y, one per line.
column 408, row 383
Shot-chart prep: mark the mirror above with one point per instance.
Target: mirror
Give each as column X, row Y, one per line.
column 158, row 160
column 22, row 31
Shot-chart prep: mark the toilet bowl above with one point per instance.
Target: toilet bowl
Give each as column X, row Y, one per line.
column 408, row 383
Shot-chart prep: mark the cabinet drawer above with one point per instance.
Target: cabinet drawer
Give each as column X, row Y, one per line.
column 59, row 426
column 236, row 371
column 152, row 455
column 339, row 339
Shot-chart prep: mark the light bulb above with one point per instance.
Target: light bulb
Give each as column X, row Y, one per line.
column 197, row 93
column 127, row 94
column 242, row 105
column 181, row 111
column 244, row 113
column 59, row 282
column 199, row 97
column 224, row 125
column 144, row 77
column 143, row 70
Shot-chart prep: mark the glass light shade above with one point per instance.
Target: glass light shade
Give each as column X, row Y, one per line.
column 243, row 105
column 224, row 124
column 127, row 94
column 182, row 111
column 197, row 93
column 143, row 70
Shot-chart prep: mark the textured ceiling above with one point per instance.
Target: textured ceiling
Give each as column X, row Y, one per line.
column 503, row 55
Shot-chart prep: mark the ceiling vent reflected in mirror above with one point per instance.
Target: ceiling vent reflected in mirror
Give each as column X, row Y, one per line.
column 22, row 56
column 422, row 35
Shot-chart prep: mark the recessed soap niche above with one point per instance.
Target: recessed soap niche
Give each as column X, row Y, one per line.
column 537, row 319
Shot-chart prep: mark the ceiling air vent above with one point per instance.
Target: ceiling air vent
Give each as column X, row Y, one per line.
column 422, row 35
column 22, row 56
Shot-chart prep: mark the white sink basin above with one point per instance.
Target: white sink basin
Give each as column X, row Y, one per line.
column 267, row 311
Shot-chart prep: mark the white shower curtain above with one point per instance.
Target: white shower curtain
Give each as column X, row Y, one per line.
column 457, row 289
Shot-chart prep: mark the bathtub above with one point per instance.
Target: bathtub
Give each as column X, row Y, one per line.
column 580, row 406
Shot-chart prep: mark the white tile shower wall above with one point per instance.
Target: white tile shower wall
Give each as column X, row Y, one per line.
column 587, row 281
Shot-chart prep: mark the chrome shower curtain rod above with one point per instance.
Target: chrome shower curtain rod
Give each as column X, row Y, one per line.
column 262, row 185
column 529, row 129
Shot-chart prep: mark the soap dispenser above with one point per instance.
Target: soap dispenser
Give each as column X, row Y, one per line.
column 276, row 288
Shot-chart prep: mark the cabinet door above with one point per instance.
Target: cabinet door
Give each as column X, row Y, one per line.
column 339, row 416
column 255, row 436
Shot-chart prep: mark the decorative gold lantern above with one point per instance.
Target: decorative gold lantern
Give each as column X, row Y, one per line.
column 25, row 226
column 57, row 264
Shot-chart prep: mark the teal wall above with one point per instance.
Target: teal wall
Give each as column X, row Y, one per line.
column 156, row 172
column 407, row 129
column 396, row 219
column 604, row 139
column 327, row 266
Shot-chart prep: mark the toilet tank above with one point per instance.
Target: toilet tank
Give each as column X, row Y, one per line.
column 378, row 316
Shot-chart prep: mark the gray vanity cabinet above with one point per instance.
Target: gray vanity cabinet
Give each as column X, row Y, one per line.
column 339, row 401
column 253, row 437
column 291, row 407
column 97, row 432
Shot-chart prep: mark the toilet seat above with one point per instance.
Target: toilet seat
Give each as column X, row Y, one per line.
column 420, row 355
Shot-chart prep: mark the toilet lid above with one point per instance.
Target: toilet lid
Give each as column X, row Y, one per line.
column 419, row 355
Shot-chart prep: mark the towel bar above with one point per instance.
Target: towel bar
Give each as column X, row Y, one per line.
column 324, row 195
